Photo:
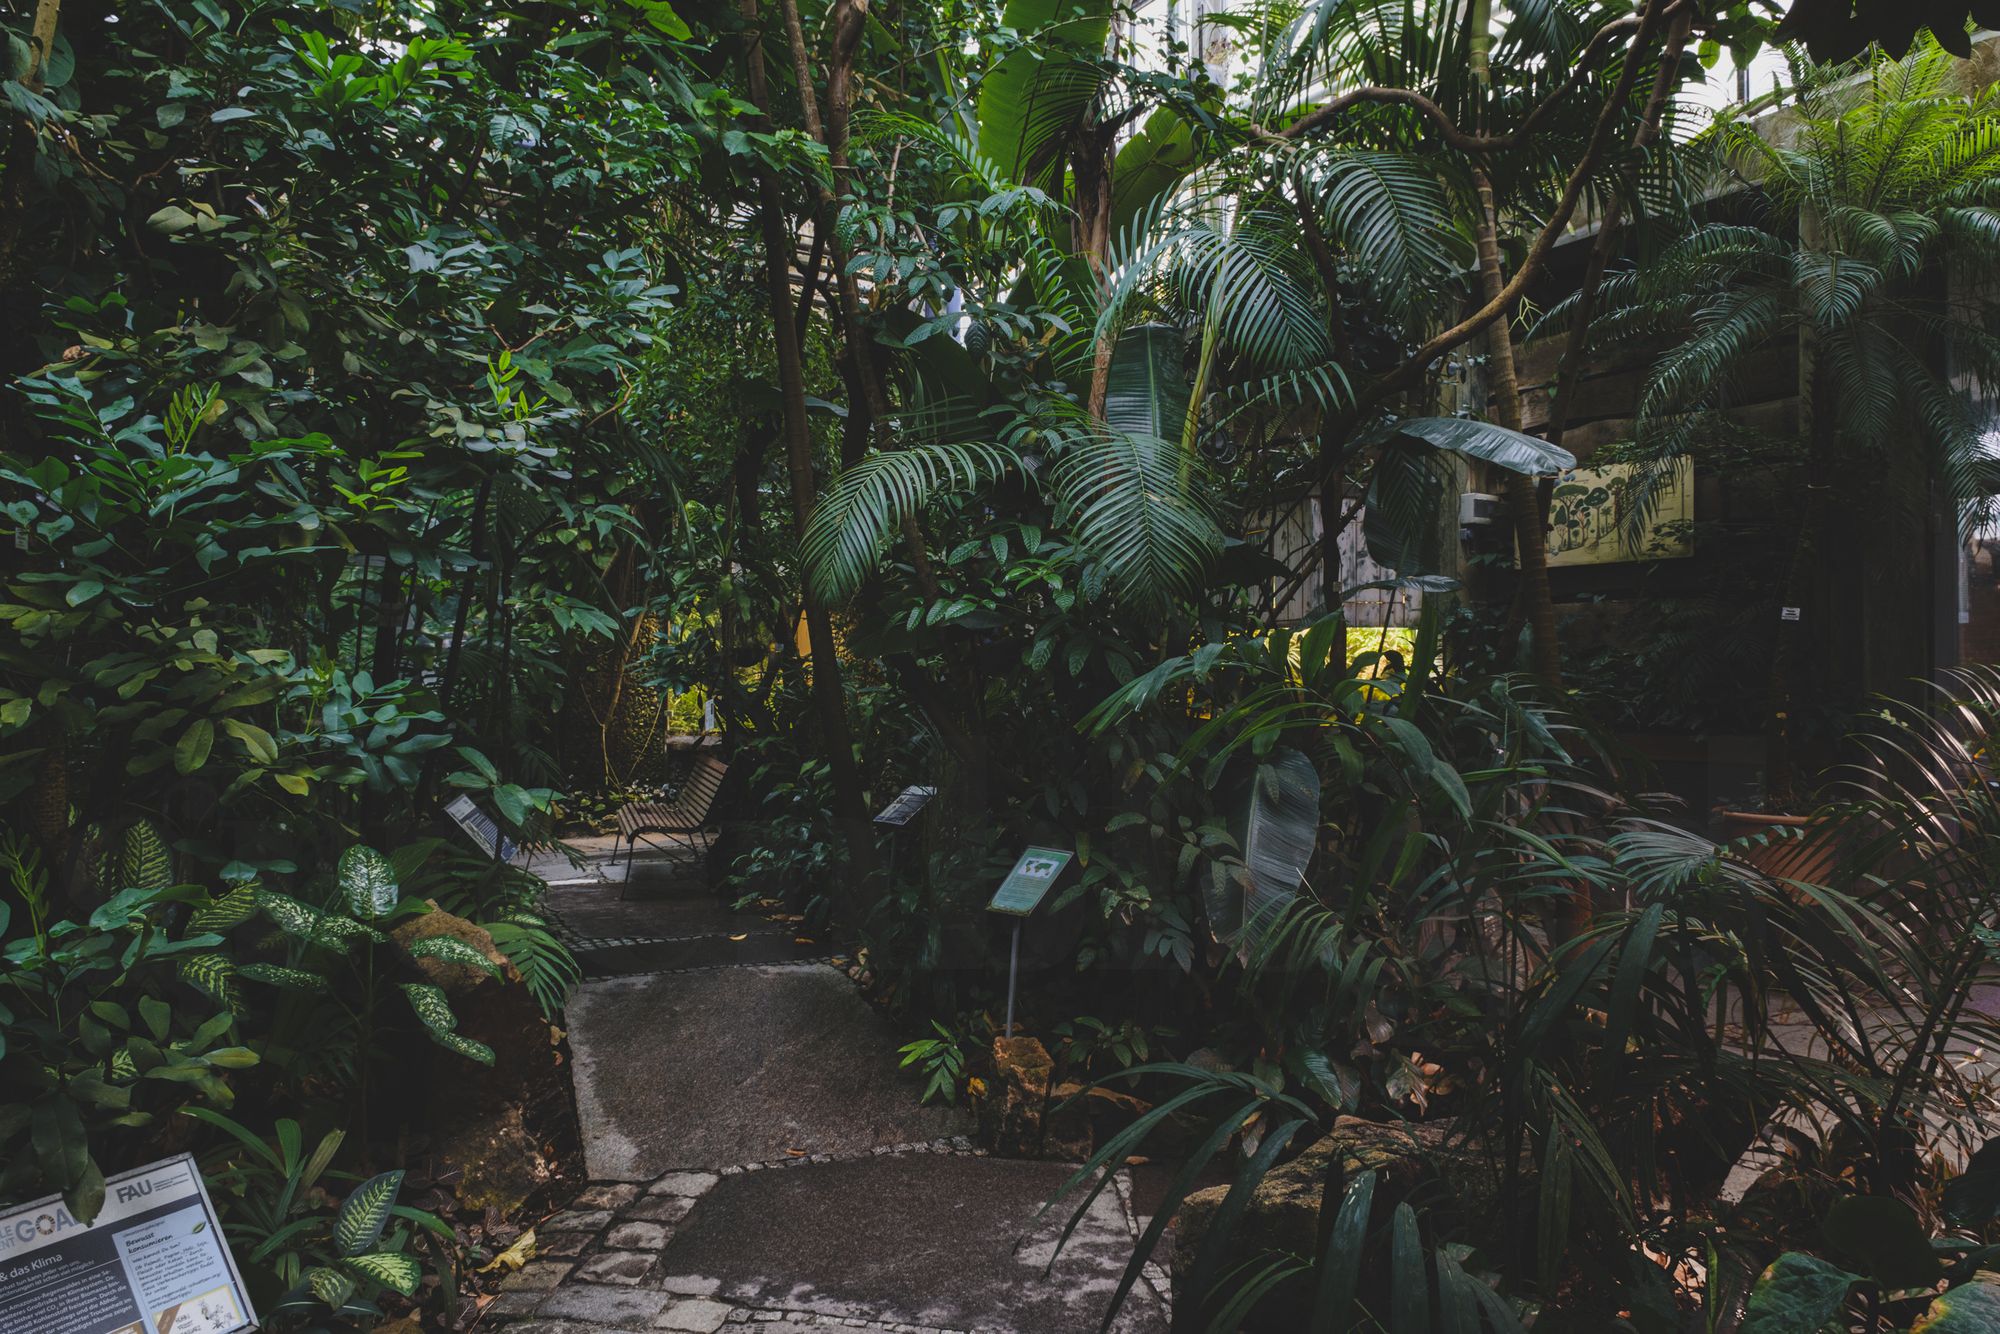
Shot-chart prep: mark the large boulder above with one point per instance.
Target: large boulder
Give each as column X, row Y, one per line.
column 484, row 1146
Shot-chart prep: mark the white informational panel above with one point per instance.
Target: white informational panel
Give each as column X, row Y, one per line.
column 152, row 1262
column 481, row 828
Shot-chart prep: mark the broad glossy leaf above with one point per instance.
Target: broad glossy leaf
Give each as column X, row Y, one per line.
column 1797, row 1294
column 1280, row 827
column 368, row 882
column 1147, row 389
column 1969, row 1308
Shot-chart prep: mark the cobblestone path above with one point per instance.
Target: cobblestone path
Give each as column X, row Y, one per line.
column 759, row 1162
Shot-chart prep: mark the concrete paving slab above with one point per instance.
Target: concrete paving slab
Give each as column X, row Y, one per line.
column 932, row 1240
column 737, row 1065
column 598, row 913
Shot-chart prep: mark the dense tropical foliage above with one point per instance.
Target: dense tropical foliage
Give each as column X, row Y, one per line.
column 414, row 401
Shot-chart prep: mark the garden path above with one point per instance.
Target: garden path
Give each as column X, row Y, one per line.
column 757, row 1158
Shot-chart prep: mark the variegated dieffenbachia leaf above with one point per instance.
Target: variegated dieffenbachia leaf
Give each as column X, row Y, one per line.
column 277, row 975
column 212, row 973
column 391, row 1269
column 463, row 1045
column 431, row 1006
column 368, row 881
column 311, row 924
column 145, row 862
column 225, row 910
column 329, row 1285
column 451, row 949
column 366, row 1212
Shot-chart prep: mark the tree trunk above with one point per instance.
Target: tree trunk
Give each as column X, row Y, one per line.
column 1780, row 763
column 1523, row 499
column 829, row 696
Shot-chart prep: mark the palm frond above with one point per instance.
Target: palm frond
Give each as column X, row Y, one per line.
column 867, row 503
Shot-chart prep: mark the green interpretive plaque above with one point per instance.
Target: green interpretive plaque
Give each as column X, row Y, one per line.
column 1029, row 882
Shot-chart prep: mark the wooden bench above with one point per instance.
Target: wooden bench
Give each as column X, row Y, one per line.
column 690, row 815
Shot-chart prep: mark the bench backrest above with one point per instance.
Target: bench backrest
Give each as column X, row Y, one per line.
column 697, row 796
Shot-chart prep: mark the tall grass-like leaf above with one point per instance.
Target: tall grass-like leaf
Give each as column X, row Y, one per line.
column 1409, row 1276
column 1222, row 1227
column 1340, row 1262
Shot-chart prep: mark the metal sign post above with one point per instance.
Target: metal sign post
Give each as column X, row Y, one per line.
column 1033, row 876
column 909, row 803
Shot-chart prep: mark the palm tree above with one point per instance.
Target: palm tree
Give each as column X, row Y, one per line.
column 1888, row 182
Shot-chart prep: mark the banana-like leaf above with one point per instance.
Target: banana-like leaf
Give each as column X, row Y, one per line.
column 1280, row 828
column 1040, row 91
column 368, row 881
column 1149, row 165
column 366, row 1212
column 1513, row 450
column 1146, row 391
column 1404, row 522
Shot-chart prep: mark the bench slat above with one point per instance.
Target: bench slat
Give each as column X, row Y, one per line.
column 688, row 812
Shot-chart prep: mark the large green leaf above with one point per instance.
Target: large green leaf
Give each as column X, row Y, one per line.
column 1969, row 1308
column 1389, row 213
column 368, row 881
column 1140, row 505
column 1147, row 388
column 1404, row 522
column 1513, row 450
column 365, row 1213
column 865, row 506
column 1797, row 1294
column 390, row 1269
column 431, row 1006
column 1149, row 165
column 1043, row 88
column 1280, row 825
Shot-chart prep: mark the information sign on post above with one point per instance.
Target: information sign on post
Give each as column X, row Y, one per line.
column 152, row 1262
column 481, row 828
column 906, row 806
column 1033, row 876
column 1029, row 882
